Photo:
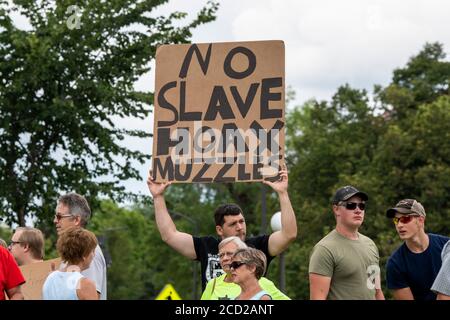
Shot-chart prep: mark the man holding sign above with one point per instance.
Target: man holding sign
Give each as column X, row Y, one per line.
column 230, row 221
column 219, row 117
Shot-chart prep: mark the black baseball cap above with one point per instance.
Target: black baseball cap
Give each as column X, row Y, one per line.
column 345, row 193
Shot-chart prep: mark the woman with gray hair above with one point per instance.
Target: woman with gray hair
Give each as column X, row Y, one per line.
column 247, row 267
column 222, row 287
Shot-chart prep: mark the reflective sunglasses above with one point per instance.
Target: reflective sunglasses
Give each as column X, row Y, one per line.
column 403, row 219
column 236, row 264
column 353, row 205
column 58, row 217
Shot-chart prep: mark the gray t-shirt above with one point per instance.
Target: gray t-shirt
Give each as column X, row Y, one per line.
column 97, row 272
column 442, row 282
column 352, row 265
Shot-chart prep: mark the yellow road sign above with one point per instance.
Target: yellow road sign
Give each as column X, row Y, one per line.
column 168, row 293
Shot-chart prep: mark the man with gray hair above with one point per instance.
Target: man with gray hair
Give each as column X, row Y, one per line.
column 73, row 210
column 412, row 268
column 27, row 245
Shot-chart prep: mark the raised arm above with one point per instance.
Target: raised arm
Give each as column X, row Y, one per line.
column 180, row 241
column 279, row 240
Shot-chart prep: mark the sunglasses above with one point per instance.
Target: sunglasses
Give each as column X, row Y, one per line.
column 403, row 219
column 236, row 264
column 353, row 205
column 58, row 217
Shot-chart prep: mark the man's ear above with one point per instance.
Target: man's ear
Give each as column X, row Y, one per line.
column 422, row 220
column 219, row 231
column 26, row 247
column 335, row 210
column 78, row 221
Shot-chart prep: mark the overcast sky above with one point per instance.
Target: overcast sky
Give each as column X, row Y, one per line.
column 328, row 43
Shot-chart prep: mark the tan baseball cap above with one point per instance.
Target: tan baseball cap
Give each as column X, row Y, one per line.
column 407, row 206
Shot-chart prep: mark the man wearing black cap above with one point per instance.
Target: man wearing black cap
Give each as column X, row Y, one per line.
column 344, row 265
column 412, row 268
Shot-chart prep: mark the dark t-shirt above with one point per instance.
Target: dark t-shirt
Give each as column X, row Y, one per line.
column 416, row 270
column 207, row 250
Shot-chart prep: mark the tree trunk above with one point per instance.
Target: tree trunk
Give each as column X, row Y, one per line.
column 21, row 216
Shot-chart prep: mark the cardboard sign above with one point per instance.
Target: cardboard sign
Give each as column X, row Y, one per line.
column 219, row 112
column 35, row 275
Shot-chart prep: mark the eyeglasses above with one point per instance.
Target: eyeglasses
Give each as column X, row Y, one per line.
column 403, row 219
column 353, row 205
column 236, row 264
column 58, row 217
column 11, row 243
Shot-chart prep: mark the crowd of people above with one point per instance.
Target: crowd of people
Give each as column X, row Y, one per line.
column 82, row 272
column 343, row 265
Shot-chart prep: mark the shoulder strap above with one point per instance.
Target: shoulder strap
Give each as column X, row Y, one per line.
column 260, row 294
column 214, row 285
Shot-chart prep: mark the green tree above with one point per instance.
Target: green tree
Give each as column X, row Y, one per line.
column 425, row 78
column 5, row 234
column 126, row 234
column 394, row 148
column 389, row 149
column 62, row 84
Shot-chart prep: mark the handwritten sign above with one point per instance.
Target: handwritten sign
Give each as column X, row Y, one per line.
column 219, row 112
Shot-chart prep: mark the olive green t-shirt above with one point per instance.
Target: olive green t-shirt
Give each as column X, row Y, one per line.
column 349, row 263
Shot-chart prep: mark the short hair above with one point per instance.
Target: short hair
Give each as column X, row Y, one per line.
column 253, row 257
column 3, row 243
column 74, row 244
column 229, row 209
column 236, row 240
column 78, row 206
column 34, row 239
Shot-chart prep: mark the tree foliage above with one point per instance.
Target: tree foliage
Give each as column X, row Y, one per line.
column 387, row 148
column 61, row 87
column 393, row 148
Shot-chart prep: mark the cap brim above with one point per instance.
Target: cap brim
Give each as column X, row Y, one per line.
column 360, row 194
column 391, row 212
